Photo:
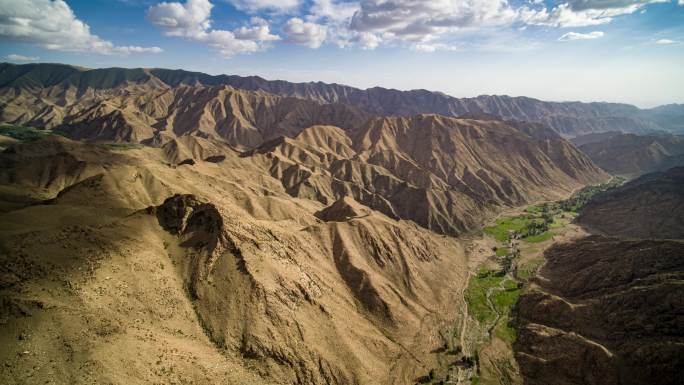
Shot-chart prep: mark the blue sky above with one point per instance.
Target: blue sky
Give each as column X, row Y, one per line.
column 590, row 50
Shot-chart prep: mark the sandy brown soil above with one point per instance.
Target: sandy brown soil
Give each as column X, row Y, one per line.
column 94, row 289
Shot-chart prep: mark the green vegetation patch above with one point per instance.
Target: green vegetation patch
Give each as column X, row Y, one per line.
column 24, row 134
column 505, row 225
column 506, row 298
column 476, row 294
column 583, row 196
column 504, row 331
column 504, row 293
column 534, row 209
column 528, row 270
column 502, row 251
column 545, row 236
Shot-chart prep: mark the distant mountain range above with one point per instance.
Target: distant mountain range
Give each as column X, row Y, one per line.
column 632, row 155
column 569, row 119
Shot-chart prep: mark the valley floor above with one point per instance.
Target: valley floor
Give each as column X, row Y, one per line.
column 501, row 262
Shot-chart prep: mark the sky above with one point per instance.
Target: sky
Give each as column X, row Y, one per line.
column 629, row 51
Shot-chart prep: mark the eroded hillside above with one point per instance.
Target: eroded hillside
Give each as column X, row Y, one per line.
column 234, row 280
column 633, row 155
column 604, row 309
column 567, row 118
column 266, row 266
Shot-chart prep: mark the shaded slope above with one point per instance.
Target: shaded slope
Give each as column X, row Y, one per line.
column 605, row 313
column 605, row 309
column 651, row 206
column 629, row 154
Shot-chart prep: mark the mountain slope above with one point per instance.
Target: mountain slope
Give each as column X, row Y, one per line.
column 143, row 112
column 567, row 118
column 656, row 199
column 212, row 270
column 631, row 155
column 445, row 174
column 605, row 309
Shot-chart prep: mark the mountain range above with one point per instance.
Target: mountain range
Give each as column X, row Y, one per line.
column 58, row 83
column 243, row 231
column 632, row 155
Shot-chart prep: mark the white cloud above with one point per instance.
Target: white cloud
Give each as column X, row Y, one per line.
column 423, row 47
column 192, row 21
column 665, row 42
column 53, row 25
column 306, row 33
column 135, row 49
column 187, row 20
column 564, row 16
column 583, row 13
column 433, row 21
column 609, row 4
column 681, row 2
column 367, row 40
column 270, row 5
column 332, row 10
column 581, row 36
column 258, row 31
column 413, row 20
column 15, row 57
column 336, row 16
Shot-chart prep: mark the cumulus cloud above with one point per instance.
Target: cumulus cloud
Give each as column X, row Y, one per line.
column 15, row 57
column 423, row 25
column 270, row 5
column 336, row 15
column 428, row 21
column 306, row 33
column 665, row 42
column 333, row 10
column 366, row 40
column 414, row 20
column 192, row 20
column 53, row 25
column 259, row 30
column 581, row 36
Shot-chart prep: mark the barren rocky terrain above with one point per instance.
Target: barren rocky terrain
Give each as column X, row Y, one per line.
column 632, row 155
column 567, row 118
column 163, row 226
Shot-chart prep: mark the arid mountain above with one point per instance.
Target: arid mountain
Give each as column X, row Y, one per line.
column 567, row 118
column 150, row 112
column 632, row 155
column 237, row 236
column 605, row 309
column 445, row 174
column 299, row 261
column 650, row 207
column 212, row 270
